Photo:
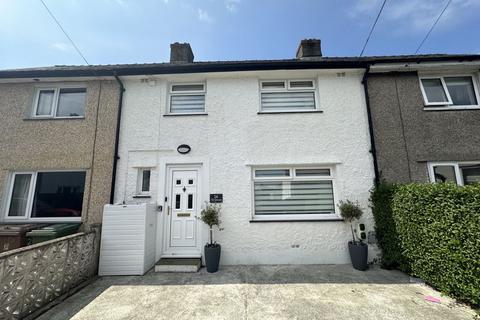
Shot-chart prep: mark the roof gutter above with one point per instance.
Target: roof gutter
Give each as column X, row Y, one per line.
column 117, row 137
column 373, row 149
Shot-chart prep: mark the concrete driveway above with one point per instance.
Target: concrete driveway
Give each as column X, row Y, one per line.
column 260, row 292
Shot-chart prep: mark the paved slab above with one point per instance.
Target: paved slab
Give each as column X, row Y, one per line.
column 260, row 292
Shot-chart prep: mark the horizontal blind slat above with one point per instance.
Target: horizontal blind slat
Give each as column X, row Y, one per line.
column 293, row 197
column 187, row 103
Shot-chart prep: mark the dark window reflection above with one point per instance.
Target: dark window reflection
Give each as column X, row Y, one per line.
column 58, row 194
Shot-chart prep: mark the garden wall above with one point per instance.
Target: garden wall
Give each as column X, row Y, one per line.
column 33, row 276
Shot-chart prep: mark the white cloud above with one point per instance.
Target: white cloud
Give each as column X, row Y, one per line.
column 62, row 46
column 232, row 5
column 204, row 16
column 416, row 15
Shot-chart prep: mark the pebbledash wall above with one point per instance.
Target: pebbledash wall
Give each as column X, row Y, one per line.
column 233, row 137
column 65, row 144
column 407, row 136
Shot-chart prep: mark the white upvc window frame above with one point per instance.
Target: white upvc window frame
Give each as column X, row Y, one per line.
column 33, row 182
column 287, row 88
column 448, row 105
column 172, row 93
column 140, row 172
column 31, row 191
column 56, row 97
column 292, row 177
column 455, row 164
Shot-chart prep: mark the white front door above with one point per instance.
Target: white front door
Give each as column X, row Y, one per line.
column 184, row 209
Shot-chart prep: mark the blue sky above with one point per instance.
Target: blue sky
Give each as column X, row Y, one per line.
column 128, row 31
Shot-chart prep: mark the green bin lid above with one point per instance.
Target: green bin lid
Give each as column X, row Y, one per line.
column 55, row 229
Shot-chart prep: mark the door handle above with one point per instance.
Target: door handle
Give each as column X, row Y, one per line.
column 168, row 210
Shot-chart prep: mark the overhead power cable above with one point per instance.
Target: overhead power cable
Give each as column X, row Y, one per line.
column 64, row 32
column 373, row 27
column 432, row 27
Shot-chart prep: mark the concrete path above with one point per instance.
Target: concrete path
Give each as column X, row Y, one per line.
column 260, row 292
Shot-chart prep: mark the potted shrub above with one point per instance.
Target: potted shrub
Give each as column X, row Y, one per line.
column 211, row 217
column 350, row 212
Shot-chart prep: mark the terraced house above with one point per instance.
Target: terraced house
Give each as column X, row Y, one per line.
column 279, row 143
column 57, row 142
column 425, row 113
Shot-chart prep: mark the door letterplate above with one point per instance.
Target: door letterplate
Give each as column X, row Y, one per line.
column 183, row 214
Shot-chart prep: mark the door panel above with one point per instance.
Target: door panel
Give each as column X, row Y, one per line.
column 184, row 208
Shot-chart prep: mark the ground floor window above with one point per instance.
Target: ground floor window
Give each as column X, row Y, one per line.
column 49, row 195
column 461, row 173
column 293, row 193
column 143, row 181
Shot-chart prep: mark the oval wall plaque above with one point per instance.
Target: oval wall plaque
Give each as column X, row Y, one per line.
column 184, row 149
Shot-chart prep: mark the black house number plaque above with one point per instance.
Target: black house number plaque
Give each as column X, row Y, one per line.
column 216, row 198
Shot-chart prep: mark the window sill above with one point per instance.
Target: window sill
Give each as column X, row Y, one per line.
column 279, row 112
column 57, row 118
column 184, row 114
column 448, row 108
column 333, row 219
column 141, row 196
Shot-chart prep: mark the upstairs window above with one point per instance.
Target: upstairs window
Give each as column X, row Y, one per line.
column 461, row 173
column 287, row 95
column 293, row 193
column 449, row 92
column 60, row 102
column 187, row 98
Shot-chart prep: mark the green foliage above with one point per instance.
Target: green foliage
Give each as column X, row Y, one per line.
column 387, row 236
column 350, row 210
column 438, row 227
column 211, row 217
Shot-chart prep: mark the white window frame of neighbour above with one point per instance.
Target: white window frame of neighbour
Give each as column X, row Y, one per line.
column 56, row 98
column 140, row 182
column 448, row 105
column 31, row 192
column 455, row 165
column 287, row 88
column 172, row 93
column 292, row 177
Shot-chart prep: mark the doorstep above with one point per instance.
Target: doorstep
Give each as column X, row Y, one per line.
column 178, row 265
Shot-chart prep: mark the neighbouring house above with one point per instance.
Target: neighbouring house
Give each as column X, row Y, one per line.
column 57, row 140
column 281, row 142
column 425, row 118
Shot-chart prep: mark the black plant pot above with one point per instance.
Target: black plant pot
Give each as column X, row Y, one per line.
column 212, row 257
column 359, row 255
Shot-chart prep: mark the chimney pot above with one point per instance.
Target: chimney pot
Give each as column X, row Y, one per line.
column 181, row 53
column 309, row 48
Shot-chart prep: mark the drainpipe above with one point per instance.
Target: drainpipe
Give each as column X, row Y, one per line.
column 373, row 149
column 117, row 137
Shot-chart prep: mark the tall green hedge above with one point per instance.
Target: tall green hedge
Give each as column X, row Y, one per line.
column 381, row 202
column 438, row 227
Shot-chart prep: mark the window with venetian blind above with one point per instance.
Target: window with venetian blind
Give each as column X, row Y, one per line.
column 293, row 192
column 288, row 95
